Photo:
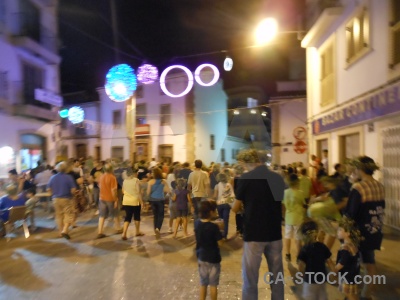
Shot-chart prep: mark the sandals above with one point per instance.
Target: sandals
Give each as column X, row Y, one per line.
column 140, row 234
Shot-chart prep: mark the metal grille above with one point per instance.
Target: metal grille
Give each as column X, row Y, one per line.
column 391, row 175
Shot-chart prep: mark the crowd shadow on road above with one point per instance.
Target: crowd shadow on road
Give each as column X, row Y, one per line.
column 16, row 271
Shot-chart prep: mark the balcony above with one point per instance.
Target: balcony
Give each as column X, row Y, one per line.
column 320, row 15
column 35, row 112
column 27, row 33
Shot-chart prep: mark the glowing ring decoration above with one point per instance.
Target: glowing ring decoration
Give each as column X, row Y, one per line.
column 164, row 74
column 120, row 83
column 201, row 67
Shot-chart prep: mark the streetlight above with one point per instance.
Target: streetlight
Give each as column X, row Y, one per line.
column 266, row 31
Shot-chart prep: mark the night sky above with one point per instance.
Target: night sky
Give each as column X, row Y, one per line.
column 164, row 32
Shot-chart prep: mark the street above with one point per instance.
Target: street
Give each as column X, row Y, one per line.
column 46, row 267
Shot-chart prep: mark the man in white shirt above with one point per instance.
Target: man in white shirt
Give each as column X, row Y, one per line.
column 153, row 163
column 199, row 185
column 41, row 180
column 324, row 160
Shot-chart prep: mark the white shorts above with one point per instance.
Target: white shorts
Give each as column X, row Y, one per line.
column 292, row 230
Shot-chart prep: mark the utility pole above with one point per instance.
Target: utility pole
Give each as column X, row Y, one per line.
column 115, row 30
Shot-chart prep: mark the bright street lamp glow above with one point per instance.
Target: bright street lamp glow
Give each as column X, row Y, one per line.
column 6, row 154
column 266, row 31
column 264, row 114
column 253, row 111
column 236, row 112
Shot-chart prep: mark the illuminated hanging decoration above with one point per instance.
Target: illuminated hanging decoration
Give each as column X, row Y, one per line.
column 6, row 155
column 76, row 115
column 63, row 113
column 164, row 75
column 201, row 67
column 228, row 64
column 120, row 83
column 147, row 74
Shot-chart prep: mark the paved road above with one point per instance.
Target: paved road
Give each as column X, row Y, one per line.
column 45, row 267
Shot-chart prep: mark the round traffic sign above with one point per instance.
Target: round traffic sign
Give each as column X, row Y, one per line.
column 300, row 133
column 300, row 147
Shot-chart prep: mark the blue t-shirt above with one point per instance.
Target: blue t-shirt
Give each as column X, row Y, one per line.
column 61, row 185
column 157, row 191
column 6, row 203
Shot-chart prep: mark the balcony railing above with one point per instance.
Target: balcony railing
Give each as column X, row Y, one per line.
column 314, row 9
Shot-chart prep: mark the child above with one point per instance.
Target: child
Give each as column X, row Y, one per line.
column 294, row 203
column 312, row 258
column 223, row 193
column 181, row 197
column 208, row 237
column 30, row 205
column 348, row 258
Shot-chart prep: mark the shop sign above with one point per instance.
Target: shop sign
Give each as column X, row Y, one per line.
column 376, row 104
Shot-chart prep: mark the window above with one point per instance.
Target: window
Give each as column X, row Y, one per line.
column 357, row 36
column 165, row 111
column 212, row 142
column 395, row 34
column 327, row 76
column 233, row 154
column 33, row 79
column 140, row 114
column 64, row 123
column 117, row 153
column 3, row 85
column 117, row 119
column 139, row 92
column 222, row 154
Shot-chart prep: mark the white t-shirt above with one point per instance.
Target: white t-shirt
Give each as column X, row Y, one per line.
column 199, row 181
column 225, row 191
column 131, row 190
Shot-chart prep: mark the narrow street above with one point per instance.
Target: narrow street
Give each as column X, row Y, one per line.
column 45, row 267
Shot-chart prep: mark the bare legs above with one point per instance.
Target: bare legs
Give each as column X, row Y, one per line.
column 213, row 292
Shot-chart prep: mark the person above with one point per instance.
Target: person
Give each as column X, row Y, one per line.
column 305, row 184
column 77, row 168
column 239, row 170
column 30, row 205
column 155, row 190
column 185, row 171
column 181, row 197
column 213, row 176
column 108, row 204
column 294, row 204
column 325, row 161
column 41, row 180
column 199, row 185
column 224, row 195
column 171, row 179
column 366, row 205
column 208, row 237
column 95, row 175
column 12, row 198
column 153, row 163
column 144, row 181
column 62, row 187
column 132, row 202
column 313, row 258
column 261, row 192
column 348, row 258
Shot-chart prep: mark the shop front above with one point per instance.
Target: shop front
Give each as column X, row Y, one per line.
column 367, row 125
column 32, row 152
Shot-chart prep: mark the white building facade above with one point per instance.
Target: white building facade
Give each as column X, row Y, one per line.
column 353, row 86
column 155, row 125
column 29, row 82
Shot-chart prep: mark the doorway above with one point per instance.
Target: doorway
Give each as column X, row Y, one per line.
column 165, row 153
column 81, row 151
column 349, row 147
column 142, row 152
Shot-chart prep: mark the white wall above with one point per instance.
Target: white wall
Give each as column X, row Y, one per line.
column 291, row 115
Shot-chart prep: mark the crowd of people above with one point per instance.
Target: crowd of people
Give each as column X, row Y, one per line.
column 313, row 206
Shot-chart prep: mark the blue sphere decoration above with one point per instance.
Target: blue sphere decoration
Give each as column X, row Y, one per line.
column 121, row 83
